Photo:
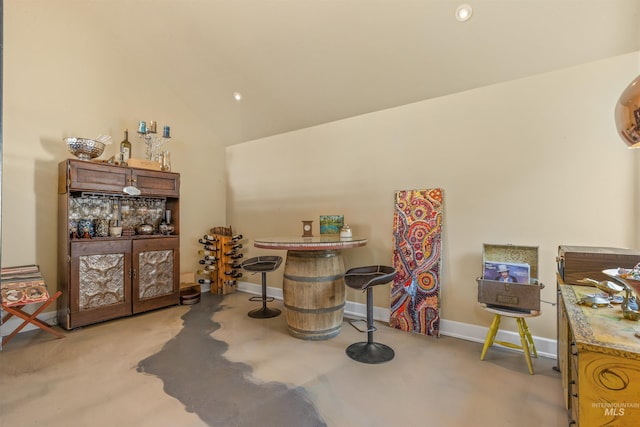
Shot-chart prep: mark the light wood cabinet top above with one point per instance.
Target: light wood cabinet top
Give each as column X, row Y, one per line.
column 602, row 329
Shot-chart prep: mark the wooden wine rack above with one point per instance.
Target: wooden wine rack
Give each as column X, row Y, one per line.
column 228, row 253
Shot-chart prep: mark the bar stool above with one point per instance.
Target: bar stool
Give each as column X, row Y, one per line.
column 365, row 278
column 264, row 265
column 526, row 340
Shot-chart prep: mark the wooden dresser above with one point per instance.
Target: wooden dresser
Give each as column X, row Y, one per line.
column 599, row 358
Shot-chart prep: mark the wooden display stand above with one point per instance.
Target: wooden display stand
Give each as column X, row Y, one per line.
column 227, row 263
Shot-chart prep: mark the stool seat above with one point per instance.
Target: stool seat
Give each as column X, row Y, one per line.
column 365, row 278
column 264, row 265
column 527, row 344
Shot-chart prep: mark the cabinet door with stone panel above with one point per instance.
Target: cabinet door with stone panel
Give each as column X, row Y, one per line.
column 156, row 273
column 100, row 283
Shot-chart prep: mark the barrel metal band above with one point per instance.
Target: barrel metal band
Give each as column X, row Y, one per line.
column 314, row 279
column 310, row 334
column 329, row 253
column 314, row 310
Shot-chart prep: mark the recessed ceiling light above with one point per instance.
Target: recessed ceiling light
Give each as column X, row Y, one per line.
column 237, row 96
column 464, row 12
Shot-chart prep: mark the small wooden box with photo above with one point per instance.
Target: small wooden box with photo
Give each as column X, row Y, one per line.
column 510, row 277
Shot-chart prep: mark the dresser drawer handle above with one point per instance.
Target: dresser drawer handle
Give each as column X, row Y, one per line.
column 571, row 384
column 572, row 351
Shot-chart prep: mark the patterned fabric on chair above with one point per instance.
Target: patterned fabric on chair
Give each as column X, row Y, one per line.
column 20, row 287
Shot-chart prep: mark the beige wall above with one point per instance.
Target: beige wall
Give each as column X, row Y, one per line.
column 530, row 162
column 62, row 80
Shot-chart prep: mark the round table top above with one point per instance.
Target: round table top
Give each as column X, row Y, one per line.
column 315, row 243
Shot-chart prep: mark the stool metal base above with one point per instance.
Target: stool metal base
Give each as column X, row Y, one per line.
column 370, row 352
column 264, row 313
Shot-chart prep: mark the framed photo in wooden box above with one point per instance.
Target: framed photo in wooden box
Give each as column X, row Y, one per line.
column 509, row 272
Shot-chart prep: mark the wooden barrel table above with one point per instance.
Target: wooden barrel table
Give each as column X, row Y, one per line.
column 314, row 293
column 313, row 288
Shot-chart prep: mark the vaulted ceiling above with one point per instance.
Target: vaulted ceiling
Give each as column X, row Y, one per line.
column 299, row 63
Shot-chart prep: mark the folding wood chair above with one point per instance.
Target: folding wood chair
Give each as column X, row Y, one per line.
column 17, row 296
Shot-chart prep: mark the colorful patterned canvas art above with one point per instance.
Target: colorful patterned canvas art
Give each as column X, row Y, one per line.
column 417, row 243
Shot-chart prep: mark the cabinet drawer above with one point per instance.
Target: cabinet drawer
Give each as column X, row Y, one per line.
column 87, row 176
column 155, row 183
column 574, row 414
column 98, row 177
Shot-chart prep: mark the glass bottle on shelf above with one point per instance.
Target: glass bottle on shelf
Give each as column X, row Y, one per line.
column 125, row 148
column 165, row 161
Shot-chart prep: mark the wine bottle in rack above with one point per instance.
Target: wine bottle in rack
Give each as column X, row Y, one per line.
column 210, row 248
column 210, row 238
column 236, row 246
column 207, row 261
column 230, row 282
column 230, row 272
column 211, row 258
column 205, row 281
column 206, row 252
column 236, row 256
column 204, row 272
column 229, row 253
column 236, row 275
column 236, row 237
column 234, row 264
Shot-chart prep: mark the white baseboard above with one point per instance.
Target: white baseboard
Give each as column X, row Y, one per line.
column 544, row 346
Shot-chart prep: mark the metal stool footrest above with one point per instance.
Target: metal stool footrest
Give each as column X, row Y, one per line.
column 352, row 322
column 257, row 298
